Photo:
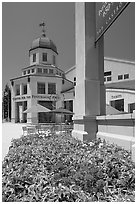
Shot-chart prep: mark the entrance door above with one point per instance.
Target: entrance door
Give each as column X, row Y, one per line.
column 118, row 104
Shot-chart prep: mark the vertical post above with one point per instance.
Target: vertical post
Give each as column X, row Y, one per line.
column 13, row 107
column 89, row 91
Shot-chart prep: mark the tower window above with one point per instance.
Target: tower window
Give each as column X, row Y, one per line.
column 34, row 57
column 74, row 81
column 45, row 71
column 32, row 71
column 54, row 59
column 51, row 88
column 29, row 71
column 24, row 88
column 39, row 70
column 50, row 71
column 126, row 76
column 24, row 72
column 44, row 57
column 40, row 88
column 17, row 89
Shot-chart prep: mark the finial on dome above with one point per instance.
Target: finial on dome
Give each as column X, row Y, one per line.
column 43, row 29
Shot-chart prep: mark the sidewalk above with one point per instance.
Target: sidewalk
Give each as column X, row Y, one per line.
column 10, row 131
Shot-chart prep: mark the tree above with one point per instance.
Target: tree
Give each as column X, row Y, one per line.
column 6, row 103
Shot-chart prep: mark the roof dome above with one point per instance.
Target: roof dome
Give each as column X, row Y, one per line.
column 43, row 42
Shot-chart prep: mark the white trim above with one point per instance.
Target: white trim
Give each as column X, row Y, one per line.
column 120, row 90
column 119, row 60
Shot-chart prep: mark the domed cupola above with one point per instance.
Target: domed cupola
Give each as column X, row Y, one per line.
column 43, row 42
column 43, row 50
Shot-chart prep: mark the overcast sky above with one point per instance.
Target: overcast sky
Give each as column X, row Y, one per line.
column 20, row 26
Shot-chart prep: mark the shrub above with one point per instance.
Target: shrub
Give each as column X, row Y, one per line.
column 62, row 168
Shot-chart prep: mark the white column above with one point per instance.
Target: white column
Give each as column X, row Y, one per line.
column 20, row 89
column 12, row 104
column 89, row 90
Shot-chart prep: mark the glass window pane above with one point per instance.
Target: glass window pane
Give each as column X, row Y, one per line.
column 54, row 59
column 107, row 73
column 51, row 88
column 24, row 89
column 17, row 90
column 50, row 71
column 34, row 57
column 45, row 71
column 40, row 88
column 44, row 57
column 120, row 77
column 108, row 78
column 126, row 76
column 39, row 70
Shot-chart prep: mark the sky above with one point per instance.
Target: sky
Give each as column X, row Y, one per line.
column 20, row 26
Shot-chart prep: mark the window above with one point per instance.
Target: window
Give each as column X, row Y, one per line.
column 24, row 89
column 54, row 59
column 29, row 71
column 74, row 81
column 131, row 107
column 108, row 78
column 44, row 57
column 17, row 90
column 39, row 70
column 40, row 88
column 50, row 71
column 63, row 81
column 120, row 77
column 34, row 57
column 126, row 76
column 24, row 72
column 45, row 71
column 51, row 88
column 107, row 73
column 32, row 71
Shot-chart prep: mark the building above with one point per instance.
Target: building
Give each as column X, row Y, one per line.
column 43, row 82
column 119, row 79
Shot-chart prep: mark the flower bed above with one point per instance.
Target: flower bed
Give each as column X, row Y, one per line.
column 61, row 168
